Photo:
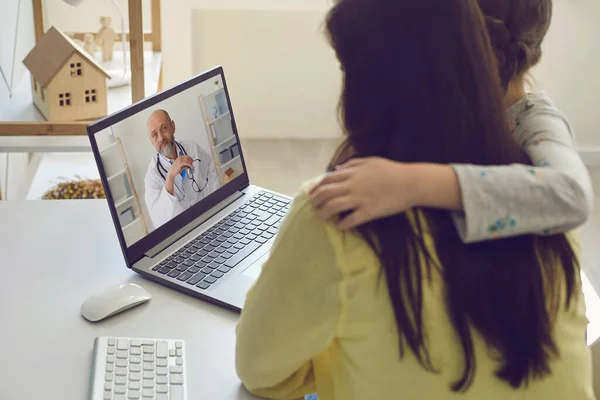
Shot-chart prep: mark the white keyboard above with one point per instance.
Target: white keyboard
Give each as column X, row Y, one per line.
column 136, row 368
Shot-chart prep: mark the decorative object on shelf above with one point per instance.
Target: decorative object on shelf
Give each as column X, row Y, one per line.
column 235, row 150
column 105, row 38
column 67, row 84
column 229, row 175
column 77, row 189
column 89, row 44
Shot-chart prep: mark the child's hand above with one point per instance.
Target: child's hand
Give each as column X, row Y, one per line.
column 366, row 189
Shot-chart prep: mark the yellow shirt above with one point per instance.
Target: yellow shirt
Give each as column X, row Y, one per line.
column 316, row 320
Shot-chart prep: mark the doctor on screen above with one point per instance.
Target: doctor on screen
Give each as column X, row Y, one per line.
column 179, row 175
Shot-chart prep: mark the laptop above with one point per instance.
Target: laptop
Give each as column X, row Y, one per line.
column 205, row 230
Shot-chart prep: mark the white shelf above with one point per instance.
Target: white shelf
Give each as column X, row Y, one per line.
column 108, row 148
column 122, row 172
column 129, row 225
column 230, row 162
column 122, row 202
column 214, row 93
column 228, row 113
column 225, row 141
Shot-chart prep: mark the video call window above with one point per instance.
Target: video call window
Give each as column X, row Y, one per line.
column 165, row 159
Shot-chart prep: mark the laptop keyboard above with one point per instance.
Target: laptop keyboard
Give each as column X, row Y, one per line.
column 211, row 255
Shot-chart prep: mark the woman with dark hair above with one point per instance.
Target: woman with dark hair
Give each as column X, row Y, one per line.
column 401, row 307
column 490, row 202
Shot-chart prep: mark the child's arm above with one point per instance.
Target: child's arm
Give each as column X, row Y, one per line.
column 554, row 197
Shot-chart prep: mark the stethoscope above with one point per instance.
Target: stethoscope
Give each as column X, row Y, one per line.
column 162, row 170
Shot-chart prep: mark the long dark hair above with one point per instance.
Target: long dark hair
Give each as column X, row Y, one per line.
column 517, row 29
column 421, row 85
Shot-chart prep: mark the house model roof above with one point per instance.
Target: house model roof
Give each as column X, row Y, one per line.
column 51, row 53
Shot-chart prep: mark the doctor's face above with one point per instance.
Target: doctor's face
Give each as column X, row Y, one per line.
column 161, row 130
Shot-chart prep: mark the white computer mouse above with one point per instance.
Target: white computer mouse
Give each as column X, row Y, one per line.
column 113, row 301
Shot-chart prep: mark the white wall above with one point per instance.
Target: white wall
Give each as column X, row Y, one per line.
column 570, row 68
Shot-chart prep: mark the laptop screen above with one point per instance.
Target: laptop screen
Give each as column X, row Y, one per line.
column 163, row 157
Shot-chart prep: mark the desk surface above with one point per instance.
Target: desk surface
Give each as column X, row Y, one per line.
column 21, row 108
column 54, row 254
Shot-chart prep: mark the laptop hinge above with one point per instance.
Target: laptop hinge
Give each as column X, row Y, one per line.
column 193, row 225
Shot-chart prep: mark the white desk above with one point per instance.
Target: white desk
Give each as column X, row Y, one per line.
column 54, row 254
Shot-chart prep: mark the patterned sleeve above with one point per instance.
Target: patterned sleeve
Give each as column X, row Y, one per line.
column 554, row 195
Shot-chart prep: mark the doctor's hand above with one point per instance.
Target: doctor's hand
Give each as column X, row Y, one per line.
column 181, row 163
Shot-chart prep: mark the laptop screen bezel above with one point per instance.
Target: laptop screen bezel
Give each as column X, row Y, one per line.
column 137, row 250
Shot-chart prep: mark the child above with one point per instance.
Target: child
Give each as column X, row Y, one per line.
column 555, row 196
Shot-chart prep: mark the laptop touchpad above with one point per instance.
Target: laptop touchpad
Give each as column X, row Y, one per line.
column 254, row 270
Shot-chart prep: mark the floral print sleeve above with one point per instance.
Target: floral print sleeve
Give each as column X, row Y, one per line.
column 554, row 195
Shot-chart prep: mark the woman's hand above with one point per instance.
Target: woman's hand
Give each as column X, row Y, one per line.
column 371, row 188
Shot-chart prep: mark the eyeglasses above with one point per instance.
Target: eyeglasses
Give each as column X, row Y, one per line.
column 195, row 187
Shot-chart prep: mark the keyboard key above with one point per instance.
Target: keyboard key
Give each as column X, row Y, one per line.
column 133, row 394
column 148, row 357
column 203, row 285
column 217, row 274
column 121, row 396
column 161, row 350
column 188, row 263
column 233, row 230
column 134, row 376
column 122, row 344
column 261, row 240
column 148, row 375
column 112, row 342
column 178, row 345
column 161, row 362
column 135, row 351
column 245, row 241
column 224, row 269
column 171, row 265
column 161, row 371
column 120, row 389
column 209, row 247
column 214, row 254
column 272, row 230
column 176, row 369
column 148, row 366
column 148, row 393
column 157, row 267
column 121, row 363
column 122, row 354
column 179, row 352
column 237, row 246
column 210, row 279
column 202, row 253
column 245, row 252
column 185, row 276
column 179, row 361
column 227, row 234
column 134, row 385
column 162, row 389
column 108, row 377
column 193, row 270
column 164, row 270
column 176, row 379
column 148, row 350
column 110, row 358
column 181, row 267
column 222, row 260
column 121, row 371
column 207, row 270
column 196, row 278
column 195, row 257
column 135, row 359
column 110, row 367
column 148, row 383
column 108, row 386
column 135, row 343
column 135, row 367
column 120, row 380
column 108, row 395
column 220, row 250
column 267, row 235
column 174, row 273
column 162, row 380
column 171, row 352
column 147, row 342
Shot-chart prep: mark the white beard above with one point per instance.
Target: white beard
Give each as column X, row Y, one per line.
column 167, row 150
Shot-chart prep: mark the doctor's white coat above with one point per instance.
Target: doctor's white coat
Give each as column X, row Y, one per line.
column 163, row 206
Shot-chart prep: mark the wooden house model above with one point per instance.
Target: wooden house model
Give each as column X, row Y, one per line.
column 67, row 83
